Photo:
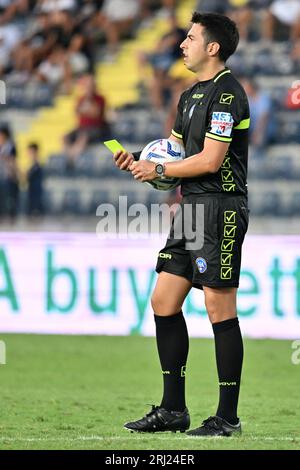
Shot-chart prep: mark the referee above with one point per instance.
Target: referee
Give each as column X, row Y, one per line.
column 212, row 122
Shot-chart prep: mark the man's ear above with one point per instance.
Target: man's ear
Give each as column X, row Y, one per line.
column 213, row 48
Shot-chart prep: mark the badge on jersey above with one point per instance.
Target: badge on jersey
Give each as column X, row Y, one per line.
column 226, row 98
column 221, row 124
column 201, row 265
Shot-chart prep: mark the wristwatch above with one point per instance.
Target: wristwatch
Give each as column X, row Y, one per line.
column 160, row 170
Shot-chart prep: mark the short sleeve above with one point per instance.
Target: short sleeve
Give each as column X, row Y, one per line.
column 177, row 130
column 228, row 111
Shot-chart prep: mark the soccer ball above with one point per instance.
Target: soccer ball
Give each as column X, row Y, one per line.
column 162, row 151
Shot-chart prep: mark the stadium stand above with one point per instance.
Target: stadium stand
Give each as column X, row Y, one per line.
column 66, row 44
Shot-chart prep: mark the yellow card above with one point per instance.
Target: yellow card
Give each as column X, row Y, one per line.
column 114, row 146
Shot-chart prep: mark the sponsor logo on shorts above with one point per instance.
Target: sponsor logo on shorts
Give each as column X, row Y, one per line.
column 201, row 265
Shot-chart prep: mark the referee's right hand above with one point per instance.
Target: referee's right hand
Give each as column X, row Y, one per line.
column 123, row 159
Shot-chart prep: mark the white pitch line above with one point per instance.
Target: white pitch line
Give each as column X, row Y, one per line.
column 161, row 438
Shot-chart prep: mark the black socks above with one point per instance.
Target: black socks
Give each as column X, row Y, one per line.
column 173, row 345
column 229, row 357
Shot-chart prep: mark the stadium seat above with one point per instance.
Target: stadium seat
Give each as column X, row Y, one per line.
column 56, row 165
column 282, row 167
column 294, row 206
column 269, row 205
column 125, row 129
column 71, row 202
column 98, row 196
column 86, row 165
column 50, row 207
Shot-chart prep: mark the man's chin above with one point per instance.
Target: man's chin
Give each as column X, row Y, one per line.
column 189, row 67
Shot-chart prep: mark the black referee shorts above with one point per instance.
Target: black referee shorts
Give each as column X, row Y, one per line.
column 205, row 241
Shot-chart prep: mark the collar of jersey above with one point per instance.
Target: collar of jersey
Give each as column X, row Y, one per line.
column 217, row 76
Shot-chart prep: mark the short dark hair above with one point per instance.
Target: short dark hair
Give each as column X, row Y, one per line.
column 5, row 131
column 220, row 29
column 33, row 146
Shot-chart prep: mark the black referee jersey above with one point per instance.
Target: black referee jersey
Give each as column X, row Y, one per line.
column 217, row 109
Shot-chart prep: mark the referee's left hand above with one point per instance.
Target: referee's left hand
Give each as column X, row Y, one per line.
column 143, row 170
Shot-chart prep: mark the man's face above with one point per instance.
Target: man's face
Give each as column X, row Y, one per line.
column 194, row 49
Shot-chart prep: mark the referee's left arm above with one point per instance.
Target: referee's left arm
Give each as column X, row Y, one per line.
column 209, row 160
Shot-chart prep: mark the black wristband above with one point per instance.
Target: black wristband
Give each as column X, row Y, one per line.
column 136, row 155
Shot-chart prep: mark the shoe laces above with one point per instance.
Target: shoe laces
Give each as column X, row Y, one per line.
column 211, row 422
column 152, row 411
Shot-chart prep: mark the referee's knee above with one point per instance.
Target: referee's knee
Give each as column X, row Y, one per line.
column 162, row 307
column 157, row 304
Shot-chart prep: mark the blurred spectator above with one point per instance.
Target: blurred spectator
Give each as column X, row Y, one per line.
column 9, row 9
column 92, row 125
column 77, row 59
column 35, row 191
column 117, row 18
column 283, row 20
column 166, row 53
column 36, row 46
column 9, row 174
column 87, row 8
column 241, row 13
column 262, row 124
column 12, row 188
column 212, row 6
column 161, row 7
column 9, row 38
column 7, row 146
column 57, row 5
column 55, row 70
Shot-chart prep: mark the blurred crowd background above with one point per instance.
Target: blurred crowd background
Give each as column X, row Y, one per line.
column 77, row 72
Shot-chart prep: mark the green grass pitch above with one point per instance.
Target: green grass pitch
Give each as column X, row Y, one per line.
column 72, row 392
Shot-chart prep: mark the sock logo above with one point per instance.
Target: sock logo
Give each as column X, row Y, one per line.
column 166, row 372
column 226, row 384
column 183, row 371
